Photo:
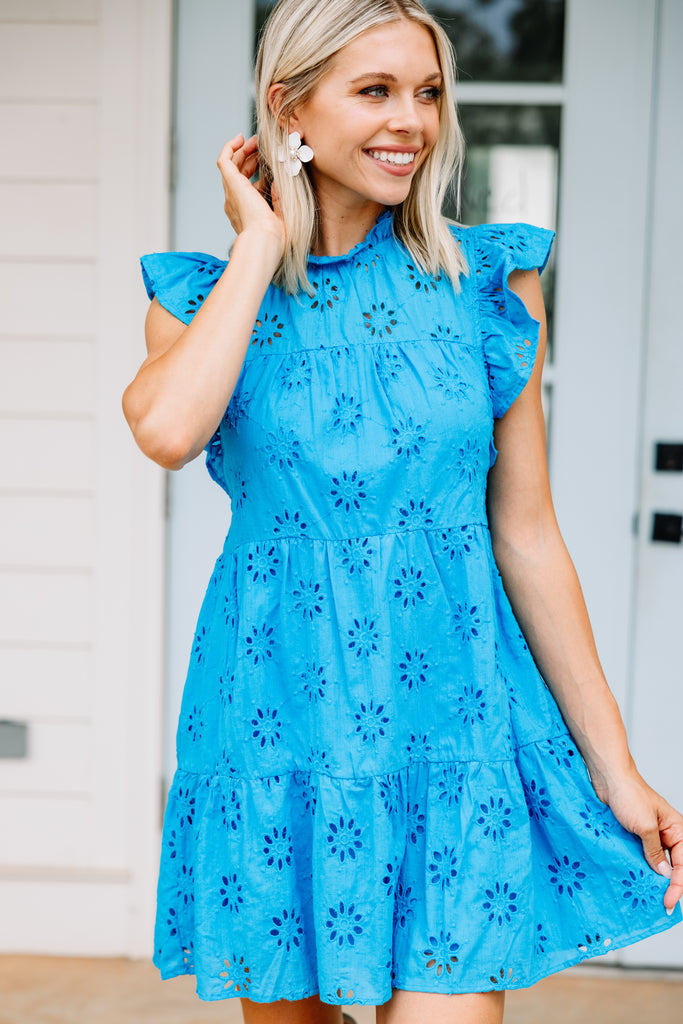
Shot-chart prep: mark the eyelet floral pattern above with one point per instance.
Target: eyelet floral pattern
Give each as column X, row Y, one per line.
column 441, row 953
column 415, row 515
column 363, row 638
column 346, row 414
column 371, row 721
column 266, row 330
column 375, row 788
column 413, row 669
column 344, row 924
column 419, row 281
column 295, row 374
column 314, row 682
column 348, row 491
column 380, row 320
column 357, row 554
column 495, row 818
column 326, row 294
column 278, row 848
column 408, row 438
column 500, row 904
column 344, row 839
column 230, row 894
column 309, row 599
column 287, row 929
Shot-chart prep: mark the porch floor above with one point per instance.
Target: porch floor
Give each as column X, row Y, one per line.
column 55, row 990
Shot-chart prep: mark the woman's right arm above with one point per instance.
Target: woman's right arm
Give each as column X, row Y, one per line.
column 183, row 387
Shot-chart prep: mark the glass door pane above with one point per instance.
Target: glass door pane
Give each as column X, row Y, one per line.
column 505, row 40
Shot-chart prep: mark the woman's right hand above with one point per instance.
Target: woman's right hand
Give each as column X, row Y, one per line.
column 245, row 205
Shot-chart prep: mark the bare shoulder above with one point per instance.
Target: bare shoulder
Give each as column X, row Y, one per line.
column 162, row 330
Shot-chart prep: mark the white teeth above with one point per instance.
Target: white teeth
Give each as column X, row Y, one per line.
column 392, row 158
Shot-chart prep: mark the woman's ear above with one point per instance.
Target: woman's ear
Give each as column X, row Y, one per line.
column 275, row 102
column 295, row 122
column 275, row 97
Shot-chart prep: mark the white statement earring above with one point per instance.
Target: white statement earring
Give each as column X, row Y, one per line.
column 296, row 153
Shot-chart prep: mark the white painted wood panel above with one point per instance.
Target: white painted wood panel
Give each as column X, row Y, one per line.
column 50, row 683
column 52, row 831
column 47, row 298
column 64, row 917
column 45, row 608
column 46, row 454
column 48, row 141
column 85, row 105
column 46, row 531
column 47, row 830
column 49, row 10
column 134, row 135
column 55, row 221
column 55, row 62
column 59, row 761
column 47, row 376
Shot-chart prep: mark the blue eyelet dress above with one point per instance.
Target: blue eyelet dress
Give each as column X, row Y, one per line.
column 375, row 788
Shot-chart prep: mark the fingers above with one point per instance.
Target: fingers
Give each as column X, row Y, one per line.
column 660, row 827
column 226, row 154
column 251, row 145
column 244, row 203
column 237, row 150
column 675, row 891
column 667, row 835
column 250, row 165
column 653, row 849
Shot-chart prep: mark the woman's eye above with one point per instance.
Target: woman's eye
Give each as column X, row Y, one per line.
column 433, row 93
column 374, row 90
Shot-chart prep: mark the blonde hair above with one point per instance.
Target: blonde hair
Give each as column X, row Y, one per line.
column 297, row 48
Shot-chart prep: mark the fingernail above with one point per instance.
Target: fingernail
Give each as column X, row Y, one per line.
column 669, row 911
column 664, row 869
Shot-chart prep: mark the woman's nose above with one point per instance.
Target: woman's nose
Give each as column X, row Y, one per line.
column 405, row 116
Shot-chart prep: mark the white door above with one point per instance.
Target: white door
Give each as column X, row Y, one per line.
column 657, row 676
column 84, row 117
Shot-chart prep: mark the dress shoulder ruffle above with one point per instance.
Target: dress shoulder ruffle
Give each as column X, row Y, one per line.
column 180, row 281
column 509, row 333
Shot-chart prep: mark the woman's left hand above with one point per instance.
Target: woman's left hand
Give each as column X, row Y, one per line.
column 645, row 813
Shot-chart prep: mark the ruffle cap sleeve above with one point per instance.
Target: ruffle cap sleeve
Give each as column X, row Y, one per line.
column 180, row 281
column 509, row 333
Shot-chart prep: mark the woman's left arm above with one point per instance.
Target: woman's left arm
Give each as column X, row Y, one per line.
column 541, row 583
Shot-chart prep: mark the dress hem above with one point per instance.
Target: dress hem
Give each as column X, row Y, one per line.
column 507, row 985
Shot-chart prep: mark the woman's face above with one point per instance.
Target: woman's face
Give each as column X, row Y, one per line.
column 374, row 117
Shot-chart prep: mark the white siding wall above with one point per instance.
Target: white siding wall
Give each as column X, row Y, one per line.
column 84, row 123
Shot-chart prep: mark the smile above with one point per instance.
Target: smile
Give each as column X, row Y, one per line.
column 386, row 157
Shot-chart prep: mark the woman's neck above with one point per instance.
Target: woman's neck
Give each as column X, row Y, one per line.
column 341, row 228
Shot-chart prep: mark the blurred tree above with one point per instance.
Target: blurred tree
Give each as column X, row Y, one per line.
column 497, row 41
column 475, row 48
column 538, row 32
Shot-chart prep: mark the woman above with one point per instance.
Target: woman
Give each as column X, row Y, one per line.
column 382, row 796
